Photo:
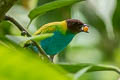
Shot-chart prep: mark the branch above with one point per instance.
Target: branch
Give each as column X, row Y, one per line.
column 25, row 32
column 5, row 5
column 22, row 29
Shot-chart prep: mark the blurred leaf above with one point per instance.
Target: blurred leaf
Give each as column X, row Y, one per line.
column 81, row 72
column 50, row 6
column 105, row 10
column 102, row 8
column 4, row 29
column 73, row 68
column 22, row 65
column 29, row 4
column 76, row 11
column 4, row 44
column 21, row 40
column 116, row 17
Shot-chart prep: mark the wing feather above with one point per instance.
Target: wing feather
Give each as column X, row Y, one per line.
column 52, row 27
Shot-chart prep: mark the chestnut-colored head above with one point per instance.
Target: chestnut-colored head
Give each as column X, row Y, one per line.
column 76, row 26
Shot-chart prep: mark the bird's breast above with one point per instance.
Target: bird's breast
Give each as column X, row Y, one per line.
column 56, row 43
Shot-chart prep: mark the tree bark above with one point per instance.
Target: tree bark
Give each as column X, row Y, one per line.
column 5, row 5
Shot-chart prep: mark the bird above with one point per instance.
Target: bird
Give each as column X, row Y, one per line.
column 64, row 31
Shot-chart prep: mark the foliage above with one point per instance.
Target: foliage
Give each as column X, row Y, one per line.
column 17, row 63
column 50, row 6
column 27, row 66
column 20, row 40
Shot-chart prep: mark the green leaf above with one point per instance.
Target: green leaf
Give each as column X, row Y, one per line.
column 73, row 68
column 19, row 64
column 81, row 72
column 21, row 40
column 41, row 37
column 50, row 6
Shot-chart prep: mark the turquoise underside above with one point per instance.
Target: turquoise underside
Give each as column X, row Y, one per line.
column 56, row 43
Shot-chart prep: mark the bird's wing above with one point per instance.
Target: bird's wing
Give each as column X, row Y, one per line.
column 50, row 28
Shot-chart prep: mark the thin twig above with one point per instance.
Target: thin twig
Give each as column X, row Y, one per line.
column 25, row 32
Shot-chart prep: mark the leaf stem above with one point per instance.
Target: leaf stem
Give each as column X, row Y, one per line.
column 25, row 32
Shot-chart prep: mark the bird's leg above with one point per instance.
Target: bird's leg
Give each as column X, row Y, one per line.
column 52, row 57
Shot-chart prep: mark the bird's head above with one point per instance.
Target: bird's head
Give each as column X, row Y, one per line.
column 76, row 26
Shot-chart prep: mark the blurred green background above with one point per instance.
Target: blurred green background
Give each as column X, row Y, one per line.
column 100, row 46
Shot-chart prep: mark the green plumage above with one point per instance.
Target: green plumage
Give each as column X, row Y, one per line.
column 63, row 31
column 58, row 41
